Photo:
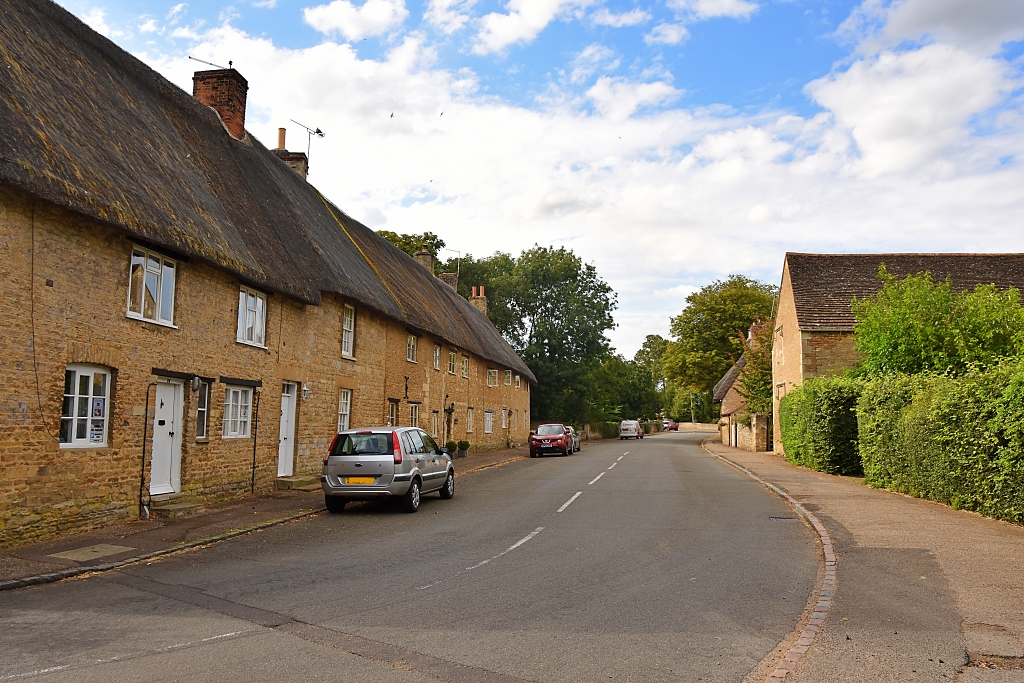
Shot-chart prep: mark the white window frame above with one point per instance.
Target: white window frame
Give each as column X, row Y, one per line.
column 465, row 366
column 237, row 412
column 492, row 378
column 517, row 381
column 348, row 331
column 90, row 411
column 504, row 418
column 344, row 409
column 163, row 310
column 488, row 422
column 259, row 317
column 437, row 357
column 414, row 414
column 392, row 418
column 508, row 378
column 469, row 420
column 410, row 348
column 452, row 357
column 435, row 419
column 203, row 410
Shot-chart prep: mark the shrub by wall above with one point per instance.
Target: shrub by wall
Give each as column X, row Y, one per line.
column 956, row 440
column 818, row 425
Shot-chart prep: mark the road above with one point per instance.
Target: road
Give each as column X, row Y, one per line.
column 631, row 561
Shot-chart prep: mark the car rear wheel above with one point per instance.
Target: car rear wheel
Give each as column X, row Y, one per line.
column 334, row 503
column 411, row 499
column 448, row 490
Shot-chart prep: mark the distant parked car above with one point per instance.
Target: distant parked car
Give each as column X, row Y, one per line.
column 665, row 424
column 575, row 436
column 672, row 426
column 630, row 429
column 550, row 438
column 385, row 462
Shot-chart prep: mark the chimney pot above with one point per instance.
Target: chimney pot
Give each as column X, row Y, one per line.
column 225, row 91
column 280, row 138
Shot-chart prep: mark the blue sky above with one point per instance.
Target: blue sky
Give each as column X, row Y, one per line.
column 669, row 142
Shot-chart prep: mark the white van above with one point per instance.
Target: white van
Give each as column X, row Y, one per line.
column 630, row 429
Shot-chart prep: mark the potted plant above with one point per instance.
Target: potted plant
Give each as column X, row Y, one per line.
column 450, row 447
column 463, row 448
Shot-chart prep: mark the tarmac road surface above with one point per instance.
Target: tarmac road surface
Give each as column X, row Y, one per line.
column 630, row 561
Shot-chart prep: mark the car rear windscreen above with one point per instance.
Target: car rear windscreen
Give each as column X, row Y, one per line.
column 550, row 430
column 362, row 444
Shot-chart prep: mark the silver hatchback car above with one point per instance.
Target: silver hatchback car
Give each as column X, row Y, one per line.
column 382, row 462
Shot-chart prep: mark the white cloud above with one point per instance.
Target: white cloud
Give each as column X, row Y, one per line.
column 97, row 20
column 667, row 34
column 603, row 17
column 372, row 18
column 265, row 4
column 523, row 22
column 149, row 26
column 591, row 59
column 980, row 25
column 905, row 109
column 448, row 16
column 707, row 9
column 619, row 99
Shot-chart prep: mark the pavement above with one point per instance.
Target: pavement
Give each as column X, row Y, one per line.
column 915, row 579
column 135, row 540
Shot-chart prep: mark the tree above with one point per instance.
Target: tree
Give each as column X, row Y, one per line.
column 488, row 272
column 650, row 356
column 411, row 244
column 755, row 380
column 916, row 325
column 708, row 335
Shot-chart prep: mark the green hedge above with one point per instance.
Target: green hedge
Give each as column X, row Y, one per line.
column 818, row 425
column 959, row 441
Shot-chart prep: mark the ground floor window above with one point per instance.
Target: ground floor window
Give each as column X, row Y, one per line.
column 86, row 405
column 392, row 413
column 344, row 409
column 414, row 415
column 488, row 421
column 202, row 409
column 434, row 419
column 469, row 420
column 237, row 410
column 504, row 419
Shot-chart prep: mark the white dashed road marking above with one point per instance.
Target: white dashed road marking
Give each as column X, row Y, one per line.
column 595, row 479
column 483, row 562
column 614, row 464
column 569, row 502
column 620, row 458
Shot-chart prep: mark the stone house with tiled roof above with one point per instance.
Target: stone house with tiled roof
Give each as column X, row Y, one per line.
column 184, row 317
column 814, row 321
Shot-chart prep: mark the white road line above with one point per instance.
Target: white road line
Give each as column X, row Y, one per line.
column 625, row 454
column 569, row 502
column 614, row 464
column 595, row 479
column 223, row 635
column 36, row 673
column 509, row 549
column 620, row 458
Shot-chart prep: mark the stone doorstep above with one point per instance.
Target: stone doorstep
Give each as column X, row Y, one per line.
column 176, row 510
column 303, row 483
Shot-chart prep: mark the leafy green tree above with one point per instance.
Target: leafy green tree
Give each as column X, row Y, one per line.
column 708, row 335
column 756, row 385
column 488, row 272
column 411, row 244
column 650, row 356
column 915, row 325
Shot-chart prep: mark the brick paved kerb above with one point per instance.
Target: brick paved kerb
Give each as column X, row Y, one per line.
column 825, row 593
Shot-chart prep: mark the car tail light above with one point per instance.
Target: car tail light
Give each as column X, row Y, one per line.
column 398, row 447
column 331, row 448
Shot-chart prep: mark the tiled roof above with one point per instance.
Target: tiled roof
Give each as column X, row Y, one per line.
column 825, row 284
column 86, row 126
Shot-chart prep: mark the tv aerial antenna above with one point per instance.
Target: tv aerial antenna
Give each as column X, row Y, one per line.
column 203, row 61
column 310, row 133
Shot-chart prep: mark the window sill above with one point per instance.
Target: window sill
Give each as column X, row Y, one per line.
column 158, row 323
column 252, row 344
column 202, row 439
column 83, row 446
column 409, row 360
column 345, row 357
column 236, row 436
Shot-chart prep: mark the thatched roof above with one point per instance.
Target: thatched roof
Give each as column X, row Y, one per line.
column 86, row 126
column 825, row 284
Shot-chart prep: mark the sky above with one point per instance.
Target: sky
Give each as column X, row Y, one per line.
column 668, row 142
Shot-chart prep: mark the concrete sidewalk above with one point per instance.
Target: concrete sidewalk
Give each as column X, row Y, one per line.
column 136, row 540
column 916, row 580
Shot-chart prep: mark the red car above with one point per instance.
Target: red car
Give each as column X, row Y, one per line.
column 672, row 427
column 550, row 438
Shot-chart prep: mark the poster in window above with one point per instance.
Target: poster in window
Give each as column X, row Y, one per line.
column 97, row 406
column 96, row 432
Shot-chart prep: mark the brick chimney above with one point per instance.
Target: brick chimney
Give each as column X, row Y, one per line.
column 426, row 259
column 224, row 90
column 297, row 160
column 479, row 300
column 451, row 279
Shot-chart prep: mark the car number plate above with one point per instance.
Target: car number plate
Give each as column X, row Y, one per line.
column 359, row 480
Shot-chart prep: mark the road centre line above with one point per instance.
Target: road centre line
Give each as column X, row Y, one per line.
column 595, row 479
column 614, row 464
column 620, row 458
column 569, row 502
column 509, row 549
column 625, row 454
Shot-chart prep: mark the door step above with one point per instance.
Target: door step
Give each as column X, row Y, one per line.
column 175, row 510
column 298, row 482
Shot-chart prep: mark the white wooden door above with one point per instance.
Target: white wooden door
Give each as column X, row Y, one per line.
column 165, row 473
column 285, row 445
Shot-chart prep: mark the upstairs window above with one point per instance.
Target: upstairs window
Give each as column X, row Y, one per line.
column 451, row 362
column 252, row 317
column 86, row 405
column 492, row 378
column 348, row 331
column 151, row 287
column 465, row 366
column 517, row 381
column 437, row 357
column 508, row 378
column 237, row 409
column 410, row 348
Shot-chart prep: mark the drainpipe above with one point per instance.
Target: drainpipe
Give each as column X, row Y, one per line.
column 255, row 433
column 144, row 509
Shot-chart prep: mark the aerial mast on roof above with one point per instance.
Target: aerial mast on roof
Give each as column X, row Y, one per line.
column 311, row 132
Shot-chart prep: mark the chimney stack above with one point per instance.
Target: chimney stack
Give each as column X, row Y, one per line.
column 297, row 160
column 225, row 91
column 479, row 300
column 425, row 259
column 451, row 279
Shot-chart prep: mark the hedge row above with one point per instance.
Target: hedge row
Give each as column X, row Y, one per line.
column 818, row 424
column 956, row 440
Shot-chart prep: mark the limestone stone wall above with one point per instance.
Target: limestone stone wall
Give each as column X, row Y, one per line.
column 63, row 299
